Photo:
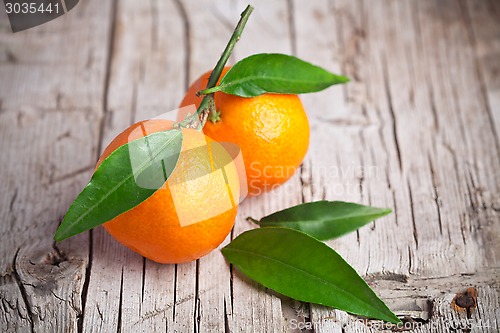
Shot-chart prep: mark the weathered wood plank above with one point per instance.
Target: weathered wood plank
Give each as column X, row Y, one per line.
column 481, row 18
column 391, row 95
column 416, row 130
column 127, row 292
column 212, row 290
column 51, row 103
column 340, row 166
column 254, row 309
column 465, row 139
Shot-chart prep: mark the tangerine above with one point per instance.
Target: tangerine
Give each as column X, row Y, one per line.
column 191, row 214
column 272, row 131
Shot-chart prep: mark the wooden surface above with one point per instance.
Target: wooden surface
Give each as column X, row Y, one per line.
column 416, row 130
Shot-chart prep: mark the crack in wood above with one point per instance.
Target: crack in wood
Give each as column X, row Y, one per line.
column 69, row 302
column 175, row 292
column 231, row 280
column 23, row 292
column 107, row 79
column 434, row 112
column 227, row 328
column 395, row 207
column 12, row 201
column 462, row 125
column 120, row 307
column 436, row 195
column 471, row 193
column 308, row 315
column 6, row 305
column 197, row 315
column 302, row 185
column 361, row 178
column 133, row 103
column 143, row 281
column 380, row 132
column 465, row 14
column 86, row 282
column 99, row 312
column 187, row 38
column 409, row 260
column 412, row 211
column 197, row 303
column 411, row 72
column 306, row 179
column 387, row 88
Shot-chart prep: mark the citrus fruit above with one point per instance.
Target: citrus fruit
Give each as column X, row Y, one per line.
column 272, row 131
column 191, row 214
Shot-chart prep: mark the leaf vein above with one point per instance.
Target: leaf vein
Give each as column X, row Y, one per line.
column 120, row 183
column 326, row 282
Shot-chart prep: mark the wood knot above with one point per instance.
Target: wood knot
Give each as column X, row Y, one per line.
column 55, row 257
column 465, row 300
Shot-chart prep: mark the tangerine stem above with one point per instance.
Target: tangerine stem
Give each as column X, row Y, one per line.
column 214, row 76
column 208, row 91
column 251, row 219
column 207, row 104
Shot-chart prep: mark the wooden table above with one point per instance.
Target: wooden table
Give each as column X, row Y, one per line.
column 417, row 129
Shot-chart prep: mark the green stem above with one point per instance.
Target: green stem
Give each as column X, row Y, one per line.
column 216, row 73
column 208, row 91
column 207, row 103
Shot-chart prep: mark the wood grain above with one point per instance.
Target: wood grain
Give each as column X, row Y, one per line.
column 417, row 129
column 49, row 125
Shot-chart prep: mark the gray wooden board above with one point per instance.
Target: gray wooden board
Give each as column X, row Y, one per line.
column 417, row 129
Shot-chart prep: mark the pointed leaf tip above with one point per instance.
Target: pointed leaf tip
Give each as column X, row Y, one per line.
column 276, row 73
column 324, row 219
column 127, row 177
column 301, row 267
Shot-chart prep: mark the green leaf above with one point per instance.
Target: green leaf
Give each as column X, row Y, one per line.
column 127, row 177
column 299, row 266
column 324, row 219
column 276, row 73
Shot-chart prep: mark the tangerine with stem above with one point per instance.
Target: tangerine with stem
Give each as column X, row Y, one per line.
column 272, row 131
